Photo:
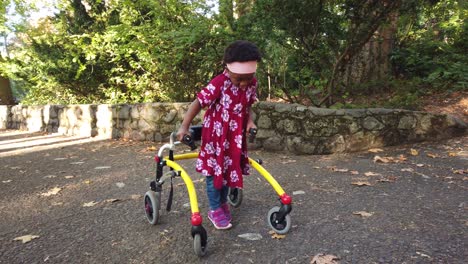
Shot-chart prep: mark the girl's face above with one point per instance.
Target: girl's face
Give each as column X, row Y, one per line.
column 241, row 80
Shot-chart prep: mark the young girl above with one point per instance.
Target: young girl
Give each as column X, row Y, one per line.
column 223, row 153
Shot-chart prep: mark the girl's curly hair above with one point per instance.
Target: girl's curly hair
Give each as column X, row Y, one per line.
column 240, row 51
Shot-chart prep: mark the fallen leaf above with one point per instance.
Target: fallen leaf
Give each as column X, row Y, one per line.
column 53, row 191
column 388, row 179
column 324, row 259
column 102, row 167
column 298, row 192
column 423, row 255
column 370, row 173
column 152, row 148
column 135, row 196
column 87, row 181
column 414, row 152
column 384, row 180
column 382, row 159
column 340, row 170
column 354, row 172
column 460, row 171
column 77, row 163
column 375, row 150
column 363, row 213
column 112, row 200
column 26, row 238
column 69, row 177
column 432, row 155
column 392, row 178
column 361, row 183
column 402, row 157
column 251, row 236
column 90, row 204
column 275, row 235
column 452, row 154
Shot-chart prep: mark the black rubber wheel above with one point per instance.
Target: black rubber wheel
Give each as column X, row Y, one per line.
column 199, row 246
column 279, row 227
column 234, row 197
column 152, row 206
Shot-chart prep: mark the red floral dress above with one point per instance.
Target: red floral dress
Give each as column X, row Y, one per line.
column 223, row 153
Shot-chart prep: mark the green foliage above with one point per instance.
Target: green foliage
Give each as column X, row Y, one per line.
column 319, row 38
column 129, row 51
column 297, row 43
column 126, row 51
column 434, row 49
column 405, row 100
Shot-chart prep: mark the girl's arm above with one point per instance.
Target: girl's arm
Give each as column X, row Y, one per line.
column 250, row 122
column 193, row 111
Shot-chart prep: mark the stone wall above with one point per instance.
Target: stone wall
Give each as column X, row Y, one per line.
column 152, row 121
column 308, row 130
column 282, row 127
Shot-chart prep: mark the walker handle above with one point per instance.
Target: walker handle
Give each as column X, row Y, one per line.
column 252, row 134
column 188, row 140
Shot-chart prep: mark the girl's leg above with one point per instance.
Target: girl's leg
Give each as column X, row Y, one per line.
column 224, row 205
column 216, row 214
column 214, row 195
column 223, row 194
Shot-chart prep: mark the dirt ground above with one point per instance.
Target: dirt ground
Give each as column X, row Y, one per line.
column 80, row 200
column 455, row 104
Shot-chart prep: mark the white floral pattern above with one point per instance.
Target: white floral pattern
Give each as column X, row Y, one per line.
column 207, row 121
column 234, row 176
column 225, row 115
column 218, row 127
column 233, row 125
column 238, row 109
column 223, row 152
column 226, row 101
column 211, row 88
column 238, row 141
column 209, row 148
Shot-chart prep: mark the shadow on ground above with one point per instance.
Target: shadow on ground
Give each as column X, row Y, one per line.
column 81, row 199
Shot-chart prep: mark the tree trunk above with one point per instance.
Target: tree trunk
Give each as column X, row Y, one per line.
column 372, row 63
column 6, row 95
column 359, row 43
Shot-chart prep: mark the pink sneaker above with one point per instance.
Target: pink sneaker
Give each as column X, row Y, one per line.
column 227, row 213
column 218, row 218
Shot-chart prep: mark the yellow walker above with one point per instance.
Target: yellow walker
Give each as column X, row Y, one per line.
column 278, row 216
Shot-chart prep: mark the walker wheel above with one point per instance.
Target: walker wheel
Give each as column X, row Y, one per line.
column 280, row 227
column 199, row 246
column 152, row 206
column 234, row 197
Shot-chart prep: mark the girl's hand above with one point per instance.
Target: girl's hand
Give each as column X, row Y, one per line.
column 182, row 132
column 250, row 125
